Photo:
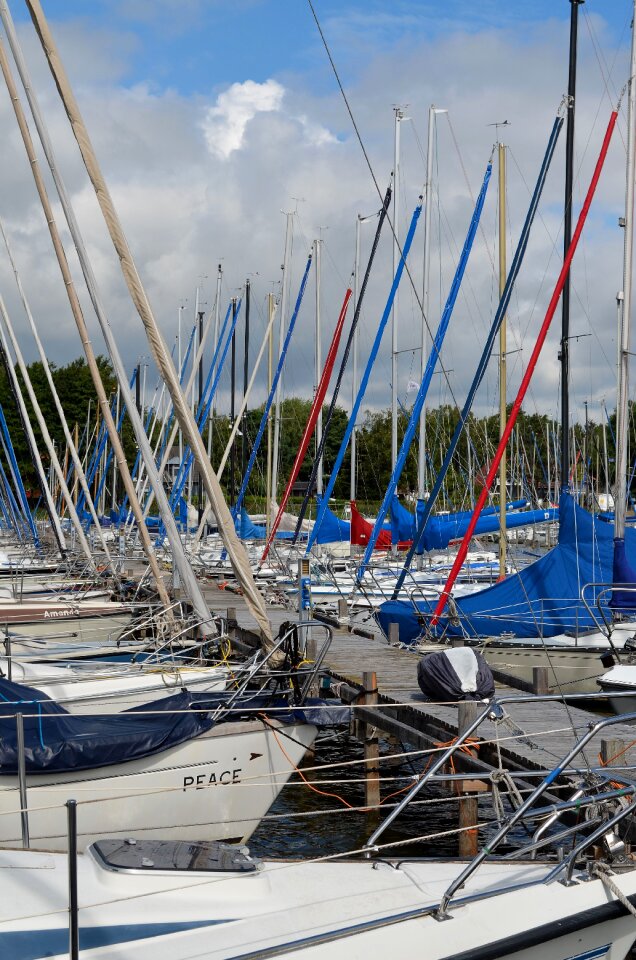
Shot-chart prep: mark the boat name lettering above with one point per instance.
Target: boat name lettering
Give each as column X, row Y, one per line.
column 203, row 780
column 54, row 614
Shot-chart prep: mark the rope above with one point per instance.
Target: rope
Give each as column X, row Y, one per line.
column 604, row 873
column 497, row 778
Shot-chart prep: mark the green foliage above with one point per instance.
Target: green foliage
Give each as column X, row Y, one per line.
column 74, row 385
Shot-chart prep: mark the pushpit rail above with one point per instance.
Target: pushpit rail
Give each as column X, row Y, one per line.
column 494, row 711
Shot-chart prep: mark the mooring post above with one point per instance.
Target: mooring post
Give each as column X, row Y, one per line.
column 231, row 621
column 468, row 806
column 613, row 752
column 540, row 685
column 394, row 634
column 310, row 653
column 343, row 609
column 371, row 743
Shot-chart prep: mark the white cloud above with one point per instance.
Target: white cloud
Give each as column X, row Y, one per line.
column 224, row 125
column 203, row 180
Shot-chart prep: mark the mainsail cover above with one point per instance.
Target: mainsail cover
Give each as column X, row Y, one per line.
column 440, row 531
column 544, row 599
column 331, row 529
column 361, row 531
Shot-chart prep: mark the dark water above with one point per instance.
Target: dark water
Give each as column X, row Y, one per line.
column 286, row 834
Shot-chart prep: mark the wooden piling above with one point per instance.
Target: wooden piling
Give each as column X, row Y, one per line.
column 613, row 752
column 468, row 806
column 371, row 742
column 540, row 685
column 394, row 634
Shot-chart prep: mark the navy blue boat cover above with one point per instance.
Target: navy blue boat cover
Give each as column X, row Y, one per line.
column 57, row 741
column 544, row 599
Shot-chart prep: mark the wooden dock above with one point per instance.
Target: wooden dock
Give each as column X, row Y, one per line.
column 534, row 736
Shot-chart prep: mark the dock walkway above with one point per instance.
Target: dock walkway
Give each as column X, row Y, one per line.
column 534, row 736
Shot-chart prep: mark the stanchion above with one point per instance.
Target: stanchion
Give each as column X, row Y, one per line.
column 24, row 813
column 73, row 907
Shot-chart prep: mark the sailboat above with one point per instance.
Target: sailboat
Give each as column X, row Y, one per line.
column 185, row 765
column 173, row 900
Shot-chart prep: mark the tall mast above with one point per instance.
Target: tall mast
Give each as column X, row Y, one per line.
column 503, row 486
column 354, row 377
column 567, row 236
column 318, row 365
column 270, row 361
column 399, row 116
column 281, row 339
column 232, row 402
column 624, row 299
column 179, row 337
column 217, row 320
column 428, row 203
column 246, row 357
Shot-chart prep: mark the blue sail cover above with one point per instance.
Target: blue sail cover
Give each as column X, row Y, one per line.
column 55, row 740
column 402, row 522
column 441, row 530
column 623, row 575
column 544, row 599
column 332, row 529
column 248, row 530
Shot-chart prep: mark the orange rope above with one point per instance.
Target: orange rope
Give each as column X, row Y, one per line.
column 604, row 763
column 469, row 745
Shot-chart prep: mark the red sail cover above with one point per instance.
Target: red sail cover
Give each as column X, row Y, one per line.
column 311, row 423
column 362, row 529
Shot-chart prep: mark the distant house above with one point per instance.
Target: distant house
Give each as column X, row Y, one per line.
column 299, row 489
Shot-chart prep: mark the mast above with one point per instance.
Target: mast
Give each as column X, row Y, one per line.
column 354, row 375
column 503, row 486
column 605, row 460
column 200, row 315
column 217, row 320
column 246, row 356
column 281, row 339
column 567, row 236
column 270, row 361
column 232, row 393
column 428, row 198
column 624, row 299
column 318, row 362
column 399, row 116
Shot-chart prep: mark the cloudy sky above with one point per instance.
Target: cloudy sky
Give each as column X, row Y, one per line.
column 214, row 119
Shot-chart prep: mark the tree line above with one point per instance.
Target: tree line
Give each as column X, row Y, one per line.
column 533, row 454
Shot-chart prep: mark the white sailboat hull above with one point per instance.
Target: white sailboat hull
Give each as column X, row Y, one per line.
column 217, row 786
column 339, row 911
